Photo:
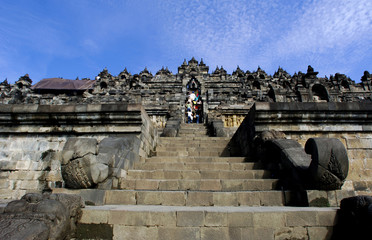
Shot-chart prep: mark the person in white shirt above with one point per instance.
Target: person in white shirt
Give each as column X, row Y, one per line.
column 192, row 96
column 189, row 117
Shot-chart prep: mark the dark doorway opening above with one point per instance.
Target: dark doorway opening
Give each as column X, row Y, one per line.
column 194, row 112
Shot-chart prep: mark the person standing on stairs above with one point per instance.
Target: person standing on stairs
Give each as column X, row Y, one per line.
column 189, row 117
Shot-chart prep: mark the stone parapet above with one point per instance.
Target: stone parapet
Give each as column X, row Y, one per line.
column 351, row 123
column 75, row 119
column 297, row 118
column 33, row 136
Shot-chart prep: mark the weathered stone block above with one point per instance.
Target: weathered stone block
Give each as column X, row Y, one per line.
column 181, row 233
column 190, row 218
column 4, row 174
column 133, row 232
column 301, row 219
column 127, row 184
column 360, row 143
column 210, row 185
column 120, row 197
column 320, row 233
column 225, row 199
column 317, row 198
column 169, row 185
column 4, row 183
column 215, row 219
column 327, row 218
column 271, row 198
column 199, row 199
column 258, row 232
column 248, row 199
column 91, row 216
column 149, row 198
column 174, row 198
column 23, row 165
column 291, row 233
column 145, row 184
column 32, row 185
column 212, row 233
column 189, row 185
column 272, row 219
column 160, row 218
column 240, row 219
column 130, row 218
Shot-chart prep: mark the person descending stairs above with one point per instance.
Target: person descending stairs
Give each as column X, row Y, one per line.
column 193, row 189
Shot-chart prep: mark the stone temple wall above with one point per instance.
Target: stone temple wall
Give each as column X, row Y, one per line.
column 24, row 162
column 351, row 123
column 33, row 137
column 163, row 94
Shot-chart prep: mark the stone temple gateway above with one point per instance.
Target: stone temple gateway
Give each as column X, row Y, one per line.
column 273, row 157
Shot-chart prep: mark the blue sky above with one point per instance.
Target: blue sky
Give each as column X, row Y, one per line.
column 78, row 38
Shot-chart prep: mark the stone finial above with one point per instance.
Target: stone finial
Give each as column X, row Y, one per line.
column 5, row 83
column 310, row 72
column 202, row 62
column 366, row 76
column 193, row 61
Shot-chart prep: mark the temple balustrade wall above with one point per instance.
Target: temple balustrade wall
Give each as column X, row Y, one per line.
column 32, row 138
column 349, row 122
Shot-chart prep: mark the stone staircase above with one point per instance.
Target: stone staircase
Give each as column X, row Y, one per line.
column 194, row 189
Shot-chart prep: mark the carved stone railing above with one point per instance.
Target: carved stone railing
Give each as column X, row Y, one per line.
column 351, row 123
column 223, row 121
column 33, row 142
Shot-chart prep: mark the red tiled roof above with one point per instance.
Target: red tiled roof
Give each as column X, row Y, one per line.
column 63, row 84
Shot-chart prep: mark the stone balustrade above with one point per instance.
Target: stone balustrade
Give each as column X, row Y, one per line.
column 33, row 137
column 349, row 122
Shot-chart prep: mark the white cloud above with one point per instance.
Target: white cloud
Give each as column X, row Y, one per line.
column 221, row 31
column 333, row 34
column 330, row 24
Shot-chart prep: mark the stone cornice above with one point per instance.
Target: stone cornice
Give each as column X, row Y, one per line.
column 77, row 119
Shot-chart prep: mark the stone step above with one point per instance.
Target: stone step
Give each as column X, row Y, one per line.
column 193, row 130
column 183, row 148
column 181, row 198
column 196, row 174
column 196, row 138
column 196, row 159
column 192, row 126
column 195, row 144
column 196, row 198
column 205, row 223
column 226, row 185
column 191, row 134
column 196, row 166
column 196, row 153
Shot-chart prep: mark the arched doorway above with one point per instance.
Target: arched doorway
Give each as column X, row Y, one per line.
column 319, row 93
column 194, row 112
